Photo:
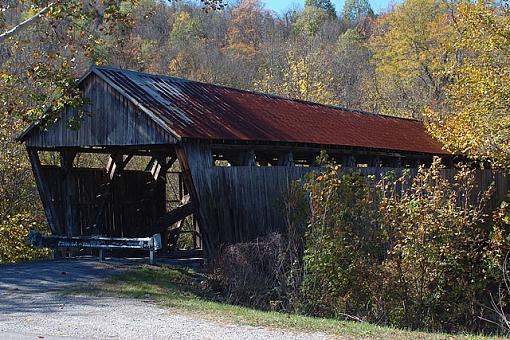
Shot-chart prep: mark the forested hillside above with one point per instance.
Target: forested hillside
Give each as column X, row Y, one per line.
column 390, row 63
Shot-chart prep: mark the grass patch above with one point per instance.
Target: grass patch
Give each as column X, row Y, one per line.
column 182, row 289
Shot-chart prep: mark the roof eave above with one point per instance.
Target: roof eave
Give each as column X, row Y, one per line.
column 316, row 145
column 28, row 131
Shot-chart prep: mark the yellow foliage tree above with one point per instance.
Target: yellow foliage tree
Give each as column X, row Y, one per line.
column 19, row 203
column 476, row 120
column 409, row 55
column 187, row 36
column 301, row 78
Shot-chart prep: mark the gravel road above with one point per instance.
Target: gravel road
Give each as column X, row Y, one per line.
column 32, row 307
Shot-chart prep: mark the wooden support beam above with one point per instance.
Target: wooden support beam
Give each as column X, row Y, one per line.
column 286, row 159
column 247, row 158
column 374, row 162
column 349, row 161
column 397, row 162
column 116, row 164
column 175, row 215
column 69, row 195
column 201, row 219
column 66, row 161
column 170, row 237
column 151, row 164
column 448, row 162
column 158, row 166
column 45, row 193
column 161, row 167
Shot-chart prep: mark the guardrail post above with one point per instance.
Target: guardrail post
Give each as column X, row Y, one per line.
column 101, row 255
column 152, row 257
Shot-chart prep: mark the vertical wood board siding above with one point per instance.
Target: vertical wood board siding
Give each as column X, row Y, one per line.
column 113, row 121
column 241, row 203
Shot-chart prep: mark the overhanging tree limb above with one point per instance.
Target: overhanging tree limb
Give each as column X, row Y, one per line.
column 24, row 24
column 209, row 4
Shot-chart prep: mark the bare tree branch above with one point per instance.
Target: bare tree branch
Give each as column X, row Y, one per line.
column 24, row 24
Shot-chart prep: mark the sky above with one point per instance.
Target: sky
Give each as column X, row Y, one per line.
column 281, row 5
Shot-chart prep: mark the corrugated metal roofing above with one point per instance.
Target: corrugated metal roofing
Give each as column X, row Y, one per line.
column 191, row 109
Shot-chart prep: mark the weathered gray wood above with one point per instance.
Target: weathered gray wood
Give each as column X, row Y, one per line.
column 69, row 193
column 158, row 166
column 45, row 193
column 286, row 159
column 116, row 164
column 241, row 203
column 193, row 159
column 175, row 215
column 111, row 120
column 375, row 162
column 131, row 211
column 348, row 161
column 244, row 157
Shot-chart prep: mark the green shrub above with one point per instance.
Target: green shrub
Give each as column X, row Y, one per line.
column 343, row 245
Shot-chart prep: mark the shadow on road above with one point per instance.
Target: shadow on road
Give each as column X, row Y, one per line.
column 28, row 286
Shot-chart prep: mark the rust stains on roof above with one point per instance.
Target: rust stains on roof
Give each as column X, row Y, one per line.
column 196, row 110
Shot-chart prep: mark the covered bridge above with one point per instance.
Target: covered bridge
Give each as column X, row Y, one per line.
column 228, row 153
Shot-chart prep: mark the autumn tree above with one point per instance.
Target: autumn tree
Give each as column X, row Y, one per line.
column 186, row 36
column 325, row 5
column 475, row 120
column 351, row 66
column 56, row 41
column 299, row 78
column 246, row 28
column 410, row 56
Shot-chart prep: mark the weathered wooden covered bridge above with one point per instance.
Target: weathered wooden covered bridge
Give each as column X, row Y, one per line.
column 232, row 153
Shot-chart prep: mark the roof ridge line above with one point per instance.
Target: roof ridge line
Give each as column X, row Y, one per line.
column 307, row 102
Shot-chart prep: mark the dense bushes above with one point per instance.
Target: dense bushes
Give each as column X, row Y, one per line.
column 250, row 274
column 13, row 233
column 268, row 272
column 410, row 253
column 439, row 261
column 343, row 245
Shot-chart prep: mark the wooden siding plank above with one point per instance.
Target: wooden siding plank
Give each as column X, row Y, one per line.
column 241, row 203
column 114, row 121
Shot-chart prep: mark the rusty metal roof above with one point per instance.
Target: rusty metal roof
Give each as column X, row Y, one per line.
column 195, row 110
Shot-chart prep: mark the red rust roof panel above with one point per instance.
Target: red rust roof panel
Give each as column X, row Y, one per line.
column 205, row 111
